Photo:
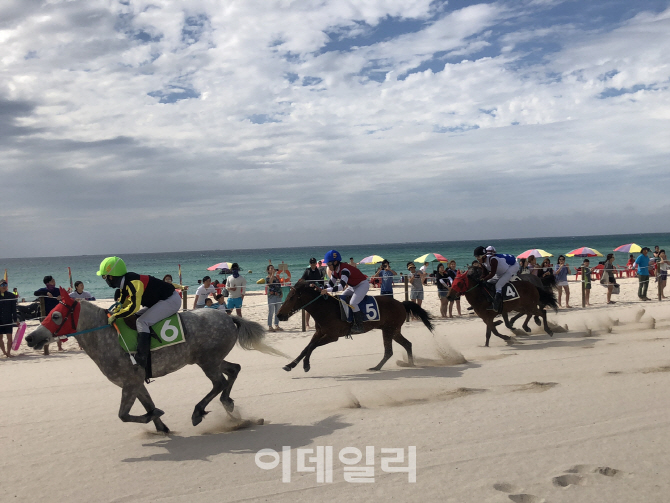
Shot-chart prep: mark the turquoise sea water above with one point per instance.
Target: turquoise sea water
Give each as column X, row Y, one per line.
column 26, row 273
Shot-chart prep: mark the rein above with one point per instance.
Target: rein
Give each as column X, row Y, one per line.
column 84, row 331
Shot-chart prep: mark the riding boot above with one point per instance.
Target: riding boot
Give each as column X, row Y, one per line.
column 357, row 326
column 143, row 343
column 497, row 302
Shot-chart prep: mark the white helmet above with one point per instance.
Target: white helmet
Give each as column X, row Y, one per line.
column 490, row 250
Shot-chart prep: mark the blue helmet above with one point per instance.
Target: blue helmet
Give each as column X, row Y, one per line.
column 332, row 256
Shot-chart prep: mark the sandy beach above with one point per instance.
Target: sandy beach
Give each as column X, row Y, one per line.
column 580, row 416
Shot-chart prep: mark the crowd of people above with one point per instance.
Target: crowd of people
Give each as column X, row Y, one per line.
column 333, row 275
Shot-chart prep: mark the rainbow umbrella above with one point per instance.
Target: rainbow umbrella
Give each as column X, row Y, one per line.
column 535, row 252
column 431, row 257
column 629, row 248
column 584, row 251
column 372, row 259
column 220, row 265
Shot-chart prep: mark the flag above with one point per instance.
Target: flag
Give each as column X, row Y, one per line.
column 179, row 265
column 5, row 276
column 69, row 273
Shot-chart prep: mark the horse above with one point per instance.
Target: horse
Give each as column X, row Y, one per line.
column 529, row 302
column 329, row 327
column 210, row 334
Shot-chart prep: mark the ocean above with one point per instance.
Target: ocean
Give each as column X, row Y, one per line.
column 26, row 274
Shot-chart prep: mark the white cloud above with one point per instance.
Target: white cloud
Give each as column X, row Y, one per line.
column 510, row 128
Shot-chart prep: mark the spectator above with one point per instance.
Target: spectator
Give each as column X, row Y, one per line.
column 8, row 317
column 79, row 292
column 443, row 283
column 546, row 272
column 51, row 296
column 586, row 278
column 386, row 274
column 608, row 280
column 168, row 279
column 15, row 292
column 533, row 268
column 204, row 290
column 313, row 275
column 451, row 271
column 657, row 251
column 662, row 264
column 523, row 266
column 274, row 293
column 416, row 280
column 236, row 285
column 562, row 271
column 631, row 262
column 642, row 264
column 424, row 269
column 351, row 262
column 210, row 303
column 221, row 300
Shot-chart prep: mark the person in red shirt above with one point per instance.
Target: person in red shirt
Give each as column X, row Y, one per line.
column 351, row 281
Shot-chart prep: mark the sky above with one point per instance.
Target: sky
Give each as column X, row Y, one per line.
column 138, row 126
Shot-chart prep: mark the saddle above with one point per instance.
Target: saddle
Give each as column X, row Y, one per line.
column 368, row 306
column 509, row 291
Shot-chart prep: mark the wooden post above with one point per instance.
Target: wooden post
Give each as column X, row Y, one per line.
column 184, row 299
column 304, row 322
column 406, row 294
column 583, row 287
column 658, row 279
column 43, row 314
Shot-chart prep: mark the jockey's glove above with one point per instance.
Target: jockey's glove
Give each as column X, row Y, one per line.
column 111, row 320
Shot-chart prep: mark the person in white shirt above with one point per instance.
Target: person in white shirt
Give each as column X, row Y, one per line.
column 203, row 291
column 236, row 286
column 79, row 292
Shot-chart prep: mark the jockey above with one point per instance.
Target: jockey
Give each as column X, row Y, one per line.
column 501, row 265
column 353, row 283
column 157, row 298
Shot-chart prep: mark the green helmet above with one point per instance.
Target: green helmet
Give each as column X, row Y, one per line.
column 112, row 266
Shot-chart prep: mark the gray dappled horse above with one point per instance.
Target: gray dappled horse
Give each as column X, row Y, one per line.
column 210, row 334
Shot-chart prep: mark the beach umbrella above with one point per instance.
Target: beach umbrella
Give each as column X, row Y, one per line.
column 629, row 248
column 372, row 259
column 220, row 265
column 536, row 252
column 584, row 251
column 431, row 257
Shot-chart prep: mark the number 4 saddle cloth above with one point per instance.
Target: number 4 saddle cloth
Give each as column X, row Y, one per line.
column 167, row 332
column 509, row 291
column 368, row 307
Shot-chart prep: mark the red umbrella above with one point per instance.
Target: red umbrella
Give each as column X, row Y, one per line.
column 584, row 251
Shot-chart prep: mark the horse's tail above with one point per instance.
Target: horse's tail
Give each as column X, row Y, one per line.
column 417, row 310
column 550, row 282
column 251, row 335
column 548, row 298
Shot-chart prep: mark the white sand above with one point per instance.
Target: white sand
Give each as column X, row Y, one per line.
column 525, row 423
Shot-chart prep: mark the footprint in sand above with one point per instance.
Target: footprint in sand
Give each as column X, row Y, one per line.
column 581, row 475
column 514, row 493
column 536, row 387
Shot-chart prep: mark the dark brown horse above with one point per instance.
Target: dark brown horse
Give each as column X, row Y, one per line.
column 329, row 327
column 531, row 302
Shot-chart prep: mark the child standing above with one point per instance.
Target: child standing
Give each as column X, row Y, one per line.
column 586, row 278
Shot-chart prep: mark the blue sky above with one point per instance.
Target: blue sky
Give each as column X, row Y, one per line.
column 134, row 126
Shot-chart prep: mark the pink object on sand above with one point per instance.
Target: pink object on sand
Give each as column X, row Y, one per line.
column 19, row 337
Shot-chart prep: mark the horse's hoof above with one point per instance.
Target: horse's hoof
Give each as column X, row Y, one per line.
column 287, row 368
column 551, row 334
column 163, row 429
column 196, row 419
column 229, row 404
column 526, row 329
column 307, row 368
column 537, row 321
column 374, row 369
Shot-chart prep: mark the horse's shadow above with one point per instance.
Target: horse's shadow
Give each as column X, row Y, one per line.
column 251, row 440
column 418, row 371
column 541, row 341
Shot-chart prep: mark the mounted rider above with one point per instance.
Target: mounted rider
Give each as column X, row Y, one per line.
column 351, row 281
column 158, row 300
column 500, row 265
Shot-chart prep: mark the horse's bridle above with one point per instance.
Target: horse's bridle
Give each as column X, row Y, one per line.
column 70, row 311
column 304, row 306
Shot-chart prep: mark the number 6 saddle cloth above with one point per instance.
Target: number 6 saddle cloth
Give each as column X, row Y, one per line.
column 167, row 332
column 368, row 307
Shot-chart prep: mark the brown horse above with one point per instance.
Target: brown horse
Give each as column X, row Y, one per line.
column 329, row 327
column 531, row 302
